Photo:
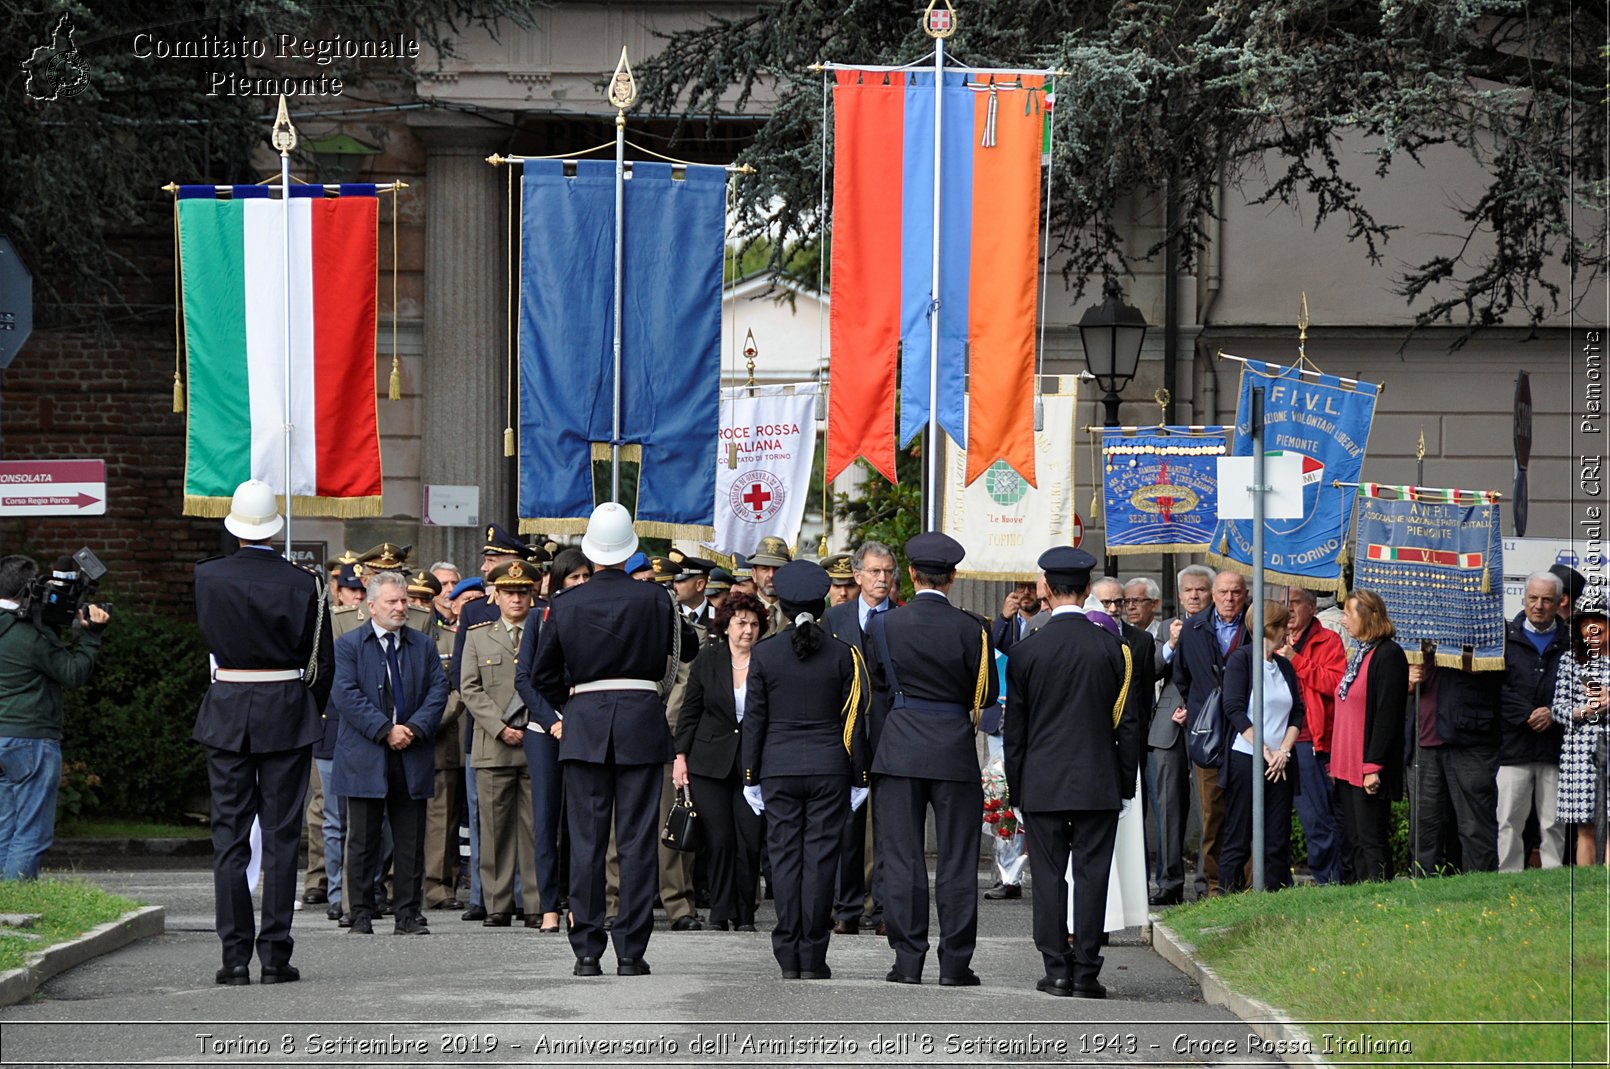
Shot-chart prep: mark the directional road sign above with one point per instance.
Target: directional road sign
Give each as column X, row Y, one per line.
column 53, row 488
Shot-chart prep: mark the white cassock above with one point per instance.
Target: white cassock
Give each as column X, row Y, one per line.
column 1127, row 905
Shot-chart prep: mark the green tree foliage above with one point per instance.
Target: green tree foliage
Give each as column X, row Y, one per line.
column 84, row 172
column 1277, row 96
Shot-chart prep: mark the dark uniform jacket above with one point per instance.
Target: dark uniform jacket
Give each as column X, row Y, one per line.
column 258, row 610
column 843, row 622
column 612, row 627
column 34, row 668
column 945, row 668
column 361, row 700
column 801, row 718
column 1529, row 684
column 1064, row 685
column 707, row 721
column 1143, row 682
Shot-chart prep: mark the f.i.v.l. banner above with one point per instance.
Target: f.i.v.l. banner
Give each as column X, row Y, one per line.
column 763, row 464
column 1436, row 559
column 1326, row 421
column 1160, row 488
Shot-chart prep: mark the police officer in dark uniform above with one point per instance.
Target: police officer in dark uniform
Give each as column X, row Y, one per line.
column 266, row 623
column 1072, row 748
column 803, row 750
column 937, row 666
column 608, row 712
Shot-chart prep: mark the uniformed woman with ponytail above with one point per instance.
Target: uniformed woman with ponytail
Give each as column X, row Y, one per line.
column 803, row 760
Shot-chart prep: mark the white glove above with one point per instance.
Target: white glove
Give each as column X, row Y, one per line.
column 857, row 796
column 752, row 796
column 1123, row 810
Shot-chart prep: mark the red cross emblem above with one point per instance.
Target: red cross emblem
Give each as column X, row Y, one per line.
column 940, row 19
column 757, row 498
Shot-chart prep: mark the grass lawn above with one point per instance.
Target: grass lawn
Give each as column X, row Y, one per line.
column 67, row 908
column 1483, row 969
column 128, row 829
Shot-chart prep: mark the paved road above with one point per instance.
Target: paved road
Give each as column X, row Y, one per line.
column 476, row 996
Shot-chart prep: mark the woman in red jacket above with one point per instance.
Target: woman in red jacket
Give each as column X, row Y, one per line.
column 1367, row 736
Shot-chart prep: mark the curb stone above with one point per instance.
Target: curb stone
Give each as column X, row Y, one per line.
column 1269, row 1023
column 56, row 959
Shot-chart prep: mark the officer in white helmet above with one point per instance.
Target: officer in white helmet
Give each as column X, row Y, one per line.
column 606, row 660
column 266, row 623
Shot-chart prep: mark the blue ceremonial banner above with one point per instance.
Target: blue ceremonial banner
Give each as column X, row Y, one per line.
column 1326, row 421
column 670, row 347
column 1160, row 488
column 1436, row 559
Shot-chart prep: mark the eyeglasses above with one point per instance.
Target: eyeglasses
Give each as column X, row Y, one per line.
column 1112, row 602
column 878, row 573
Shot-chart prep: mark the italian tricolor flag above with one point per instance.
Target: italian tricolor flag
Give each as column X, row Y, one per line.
column 233, row 266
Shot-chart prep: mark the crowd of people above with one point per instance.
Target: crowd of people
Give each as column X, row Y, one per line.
column 814, row 724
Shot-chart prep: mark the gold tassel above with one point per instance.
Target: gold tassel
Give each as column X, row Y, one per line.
column 178, row 393
column 1487, row 580
column 1095, row 504
column 396, row 378
column 508, row 441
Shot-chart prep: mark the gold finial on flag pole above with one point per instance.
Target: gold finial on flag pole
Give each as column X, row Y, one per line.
column 284, row 139
column 622, row 88
column 1162, row 397
column 1302, row 331
column 939, row 20
column 751, row 350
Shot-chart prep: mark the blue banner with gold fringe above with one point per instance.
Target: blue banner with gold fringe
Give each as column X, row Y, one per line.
column 1160, row 488
column 1436, row 558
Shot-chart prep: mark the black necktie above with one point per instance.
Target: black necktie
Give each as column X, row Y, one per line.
column 394, row 667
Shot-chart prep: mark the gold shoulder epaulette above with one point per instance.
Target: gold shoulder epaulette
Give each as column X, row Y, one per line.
column 338, row 610
column 484, row 623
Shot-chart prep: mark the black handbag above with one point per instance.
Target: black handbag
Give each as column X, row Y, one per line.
column 681, row 823
column 1205, row 734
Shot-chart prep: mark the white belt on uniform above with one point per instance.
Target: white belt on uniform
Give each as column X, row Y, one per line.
column 596, row 685
column 256, row 675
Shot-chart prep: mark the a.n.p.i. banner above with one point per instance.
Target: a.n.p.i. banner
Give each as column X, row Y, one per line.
column 763, row 464
column 1004, row 522
column 257, row 322
column 1436, row 558
column 1160, row 488
column 670, row 345
column 1326, row 421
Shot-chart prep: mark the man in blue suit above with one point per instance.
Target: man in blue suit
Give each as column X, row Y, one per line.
column 390, row 693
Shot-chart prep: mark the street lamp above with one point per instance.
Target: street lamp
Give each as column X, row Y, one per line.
column 1112, row 333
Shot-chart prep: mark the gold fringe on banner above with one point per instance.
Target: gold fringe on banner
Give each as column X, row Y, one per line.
column 178, row 393
column 999, row 577
column 1337, row 586
column 1457, row 660
column 1161, row 547
column 334, row 507
column 394, row 391
column 569, row 525
column 690, row 531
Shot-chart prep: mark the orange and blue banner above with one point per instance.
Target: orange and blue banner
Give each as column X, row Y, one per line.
column 988, row 217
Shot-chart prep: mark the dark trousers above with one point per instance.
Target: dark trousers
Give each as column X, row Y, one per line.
column 271, row 787
column 444, row 812
column 900, row 833
column 632, row 793
column 1171, row 778
column 542, row 757
column 1236, row 836
column 1087, row 836
column 852, row 889
column 1466, row 780
column 1313, row 803
column 730, row 846
column 407, row 818
column 1367, row 824
column 804, row 820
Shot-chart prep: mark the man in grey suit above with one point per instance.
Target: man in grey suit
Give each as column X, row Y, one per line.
column 1170, row 765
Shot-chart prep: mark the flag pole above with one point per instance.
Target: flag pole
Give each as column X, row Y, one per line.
column 938, row 22
column 284, row 139
column 622, row 94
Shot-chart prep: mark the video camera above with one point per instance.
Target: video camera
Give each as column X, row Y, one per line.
column 57, row 597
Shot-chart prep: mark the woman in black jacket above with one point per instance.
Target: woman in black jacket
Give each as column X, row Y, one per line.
column 707, row 735
column 802, row 756
column 1283, row 717
column 1366, row 756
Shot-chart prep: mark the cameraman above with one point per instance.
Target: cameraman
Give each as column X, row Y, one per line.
column 34, row 668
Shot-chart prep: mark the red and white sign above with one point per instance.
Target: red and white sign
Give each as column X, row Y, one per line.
column 767, row 440
column 1078, row 530
column 53, row 488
